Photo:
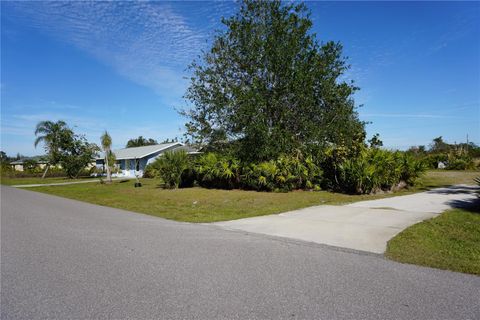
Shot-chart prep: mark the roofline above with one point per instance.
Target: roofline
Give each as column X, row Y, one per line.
column 147, row 154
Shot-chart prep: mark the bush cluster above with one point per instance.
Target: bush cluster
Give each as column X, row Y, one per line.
column 283, row 174
column 37, row 172
column 452, row 161
column 371, row 170
column 377, row 170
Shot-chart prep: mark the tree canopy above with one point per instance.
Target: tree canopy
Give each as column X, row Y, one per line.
column 267, row 87
column 53, row 135
column 72, row 151
column 140, row 141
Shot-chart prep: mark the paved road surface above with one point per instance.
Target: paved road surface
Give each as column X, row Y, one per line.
column 66, row 259
column 365, row 225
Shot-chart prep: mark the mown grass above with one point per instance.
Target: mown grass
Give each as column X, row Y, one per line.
column 443, row 178
column 195, row 204
column 450, row 241
column 21, row 181
column 210, row 205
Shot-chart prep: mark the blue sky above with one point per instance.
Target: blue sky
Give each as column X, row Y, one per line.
column 121, row 66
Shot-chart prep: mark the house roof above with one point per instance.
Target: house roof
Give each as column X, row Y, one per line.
column 140, row 152
column 38, row 160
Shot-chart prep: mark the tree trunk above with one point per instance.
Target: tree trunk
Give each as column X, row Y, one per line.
column 109, row 175
column 45, row 172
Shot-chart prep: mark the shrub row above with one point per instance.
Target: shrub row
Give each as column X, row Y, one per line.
column 377, row 170
column 451, row 160
column 7, row 171
column 372, row 170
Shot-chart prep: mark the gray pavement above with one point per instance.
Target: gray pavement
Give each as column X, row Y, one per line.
column 365, row 226
column 64, row 259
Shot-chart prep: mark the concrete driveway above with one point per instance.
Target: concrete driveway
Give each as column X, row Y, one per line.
column 365, row 226
column 65, row 259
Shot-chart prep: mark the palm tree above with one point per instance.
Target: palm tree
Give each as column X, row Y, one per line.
column 106, row 141
column 51, row 134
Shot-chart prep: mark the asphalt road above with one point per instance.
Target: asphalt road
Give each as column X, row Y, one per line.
column 66, row 259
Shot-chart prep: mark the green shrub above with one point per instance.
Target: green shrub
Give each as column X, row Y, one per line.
column 151, row 171
column 6, row 168
column 215, row 171
column 460, row 163
column 411, row 169
column 171, row 166
column 432, row 160
column 188, row 178
column 262, row 176
column 377, row 170
column 284, row 174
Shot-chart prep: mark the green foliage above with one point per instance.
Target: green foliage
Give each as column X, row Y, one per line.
column 151, row 171
column 140, row 141
column 411, row 169
column 54, row 136
column 267, row 87
column 377, row 170
column 375, row 142
column 5, row 168
column 171, row 166
column 3, row 157
column 284, row 174
column 31, row 166
column 215, row 171
column 76, row 154
column 455, row 156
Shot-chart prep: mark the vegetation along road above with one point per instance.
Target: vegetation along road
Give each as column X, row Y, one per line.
column 68, row 259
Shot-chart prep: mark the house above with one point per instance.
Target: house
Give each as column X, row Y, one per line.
column 19, row 165
column 133, row 161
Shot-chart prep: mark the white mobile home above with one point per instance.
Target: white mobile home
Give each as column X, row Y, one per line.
column 132, row 161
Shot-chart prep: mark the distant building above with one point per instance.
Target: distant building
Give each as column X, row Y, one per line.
column 18, row 165
column 133, row 161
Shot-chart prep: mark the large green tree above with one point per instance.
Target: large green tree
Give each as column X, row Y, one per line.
column 268, row 87
column 53, row 135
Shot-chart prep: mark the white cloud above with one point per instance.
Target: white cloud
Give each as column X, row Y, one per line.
column 147, row 42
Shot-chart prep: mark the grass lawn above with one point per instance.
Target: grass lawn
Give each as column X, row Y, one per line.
column 209, row 205
column 195, row 204
column 450, row 241
column 442, row 178
column 17, row 181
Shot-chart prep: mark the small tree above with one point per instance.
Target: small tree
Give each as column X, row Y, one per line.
column 76, row 154
column 106, row 142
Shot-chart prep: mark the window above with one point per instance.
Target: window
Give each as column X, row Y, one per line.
column 137, row 165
